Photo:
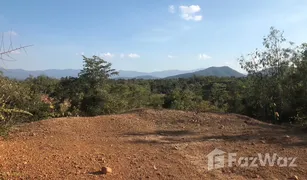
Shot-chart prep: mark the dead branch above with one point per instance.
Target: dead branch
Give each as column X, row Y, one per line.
column 12, row 50
column 6, row 53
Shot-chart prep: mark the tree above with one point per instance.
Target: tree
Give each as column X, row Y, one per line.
column 93, row 77
column 96, row 71
column 297, row 86
column 267, row 70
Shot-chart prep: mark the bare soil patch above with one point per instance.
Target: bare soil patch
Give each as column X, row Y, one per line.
column 148, row 144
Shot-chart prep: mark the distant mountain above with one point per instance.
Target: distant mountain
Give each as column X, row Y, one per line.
column 23, row 74
column 223, row 71
column 137, row 77
column 58, row 73
column 163, row 74
column 156, row 74
column 129, row 74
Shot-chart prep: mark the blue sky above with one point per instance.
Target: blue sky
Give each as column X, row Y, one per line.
column 145, row 35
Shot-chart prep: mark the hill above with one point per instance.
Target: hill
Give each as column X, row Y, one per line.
column 223, row 71
column 148, row 144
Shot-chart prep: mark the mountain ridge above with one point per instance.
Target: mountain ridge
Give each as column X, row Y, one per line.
column 222, row 71
column 22, row 74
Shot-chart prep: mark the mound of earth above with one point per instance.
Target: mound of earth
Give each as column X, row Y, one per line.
column 149, row 144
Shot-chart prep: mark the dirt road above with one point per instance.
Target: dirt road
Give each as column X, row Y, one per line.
column 148, row 144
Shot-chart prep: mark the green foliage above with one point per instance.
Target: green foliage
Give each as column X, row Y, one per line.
column 94, row 76
column 5, row 112
column 96, row 71
column 16, row 102
column 219, row 96
column 93, row 102
column 182, row 100
column 42, row 84
column 276, row 76
column 156, row 100
column 206, row 106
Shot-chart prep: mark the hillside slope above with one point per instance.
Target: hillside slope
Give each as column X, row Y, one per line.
column 223, row 71
column 147, row 144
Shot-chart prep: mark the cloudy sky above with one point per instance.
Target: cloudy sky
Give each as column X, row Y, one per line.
column 145, row 35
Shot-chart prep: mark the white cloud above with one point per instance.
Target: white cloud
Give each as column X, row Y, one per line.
column 190, row 13
column 122, row 55
column 204, row 56
column 133, row 55
column 171, row 56
column 192, row 17
column 198, row 18
column 107, row 55
column 171, row 9
column 189, row 9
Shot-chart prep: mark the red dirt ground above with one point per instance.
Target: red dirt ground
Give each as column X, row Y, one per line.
column 148, row 144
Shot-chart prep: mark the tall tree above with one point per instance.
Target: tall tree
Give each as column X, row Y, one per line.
column 96, row 70
column 267, row 69
column 93, row 78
